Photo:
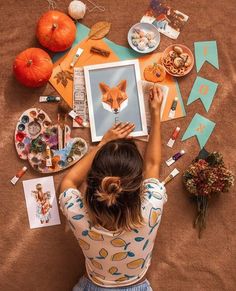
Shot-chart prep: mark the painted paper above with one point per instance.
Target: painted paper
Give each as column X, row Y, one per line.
column 41, row 202
column 166, row 19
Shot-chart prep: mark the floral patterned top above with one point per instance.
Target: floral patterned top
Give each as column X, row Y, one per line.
column 116, row 259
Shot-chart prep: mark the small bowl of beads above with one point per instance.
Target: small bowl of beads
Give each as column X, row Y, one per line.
column 143, row 37
column 178, row 60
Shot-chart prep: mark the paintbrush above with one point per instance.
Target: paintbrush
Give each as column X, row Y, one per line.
column 62, row 112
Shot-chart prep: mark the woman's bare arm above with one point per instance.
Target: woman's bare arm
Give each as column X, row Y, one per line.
column 152, row 157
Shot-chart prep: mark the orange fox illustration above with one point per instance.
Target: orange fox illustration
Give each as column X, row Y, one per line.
column 114, row 99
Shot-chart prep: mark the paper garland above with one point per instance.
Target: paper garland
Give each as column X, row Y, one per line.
column 200, row 127
column 206, row 51
column 204, row 90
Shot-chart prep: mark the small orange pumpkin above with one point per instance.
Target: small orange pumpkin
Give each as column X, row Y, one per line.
column 154, row 73
column 33, row 67
column 56, row 31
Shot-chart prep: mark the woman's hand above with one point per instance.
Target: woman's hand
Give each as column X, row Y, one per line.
column 119, row 130
column 155, row 100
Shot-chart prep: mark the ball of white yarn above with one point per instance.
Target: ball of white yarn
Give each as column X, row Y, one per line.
column 77, row 9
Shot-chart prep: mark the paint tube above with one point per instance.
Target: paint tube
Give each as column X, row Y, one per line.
column 77, row 118
column 76, row 56
column 43, row 99
column 171, row 176
column 18, row 175
column 173, row 137
column 173, row 108
column 175, row 157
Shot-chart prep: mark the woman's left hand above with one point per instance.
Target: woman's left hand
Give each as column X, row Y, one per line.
column 119, row 130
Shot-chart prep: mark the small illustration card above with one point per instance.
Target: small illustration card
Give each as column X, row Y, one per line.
column 166, row 19
column 206, row 51
column 41, row 202
column 200, row 127
column 204, row 90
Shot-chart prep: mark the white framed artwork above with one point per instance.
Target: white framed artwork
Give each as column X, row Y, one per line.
column 114, row 94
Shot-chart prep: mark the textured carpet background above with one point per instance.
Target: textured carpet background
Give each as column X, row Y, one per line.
column 49, row 259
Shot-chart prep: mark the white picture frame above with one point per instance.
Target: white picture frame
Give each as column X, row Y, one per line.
column 113, row 82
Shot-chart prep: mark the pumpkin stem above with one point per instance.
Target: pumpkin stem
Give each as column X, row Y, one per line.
column 54, row 26
column 29, row 63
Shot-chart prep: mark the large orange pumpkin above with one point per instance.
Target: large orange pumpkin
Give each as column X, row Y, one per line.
column 56, row 31
column 33, row 67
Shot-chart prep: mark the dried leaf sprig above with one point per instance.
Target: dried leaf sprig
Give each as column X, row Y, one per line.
column 205, row 178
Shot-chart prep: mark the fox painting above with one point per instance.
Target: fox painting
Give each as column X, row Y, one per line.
column 114, row 99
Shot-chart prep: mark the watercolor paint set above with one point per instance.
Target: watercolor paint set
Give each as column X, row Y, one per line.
column 36, row 140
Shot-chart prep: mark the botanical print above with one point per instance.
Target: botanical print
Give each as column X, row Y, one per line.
column 41, row 202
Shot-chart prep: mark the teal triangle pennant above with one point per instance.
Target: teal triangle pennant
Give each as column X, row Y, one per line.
column 206, row 51
column 200, row 127
column 204, row 90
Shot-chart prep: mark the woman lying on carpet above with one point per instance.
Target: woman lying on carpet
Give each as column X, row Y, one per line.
column 117, row 218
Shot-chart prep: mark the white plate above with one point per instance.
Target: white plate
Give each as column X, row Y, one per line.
column 146, row 27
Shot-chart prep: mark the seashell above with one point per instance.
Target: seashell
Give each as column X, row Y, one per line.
column 188, row 62
column 135, row 41
column 144, row 39
column 150, row 35
column 141, row 33
column 151, row 43
column 134, row 35
column 173, row 54
column 137, row 30
column 178, row 62
column 184, row 56
column 141, row 46
column 178, row 50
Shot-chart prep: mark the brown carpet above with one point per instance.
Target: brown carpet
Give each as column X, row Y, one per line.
column 49, row 259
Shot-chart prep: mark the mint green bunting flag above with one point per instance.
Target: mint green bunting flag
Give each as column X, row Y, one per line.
column 204, row 90
column 206, row 51
column 200, row 127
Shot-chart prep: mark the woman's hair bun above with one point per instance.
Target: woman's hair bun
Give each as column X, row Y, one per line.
column 109, row 190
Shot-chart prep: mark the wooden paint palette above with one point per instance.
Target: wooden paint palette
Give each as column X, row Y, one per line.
column 35, row 131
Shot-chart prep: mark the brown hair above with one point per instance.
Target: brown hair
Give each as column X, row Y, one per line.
column 113, row 194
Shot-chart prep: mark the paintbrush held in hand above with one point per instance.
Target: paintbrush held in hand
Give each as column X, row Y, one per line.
column 64, row 107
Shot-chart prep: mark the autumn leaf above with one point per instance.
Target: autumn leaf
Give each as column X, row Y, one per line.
column 99, row 30
column 63, row 77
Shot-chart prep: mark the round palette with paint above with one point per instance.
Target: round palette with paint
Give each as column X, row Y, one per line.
column 35, row 133
column 30, row 125
column 74, row 150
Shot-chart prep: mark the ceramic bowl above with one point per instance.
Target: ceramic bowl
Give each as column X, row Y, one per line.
column 185, row 50
column 146, row 27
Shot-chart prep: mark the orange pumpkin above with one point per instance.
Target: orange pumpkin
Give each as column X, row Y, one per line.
column 56, row 31
column 33, row 67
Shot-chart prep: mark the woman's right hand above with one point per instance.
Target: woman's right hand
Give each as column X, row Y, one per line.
column 117, row 131
column 155, row 100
